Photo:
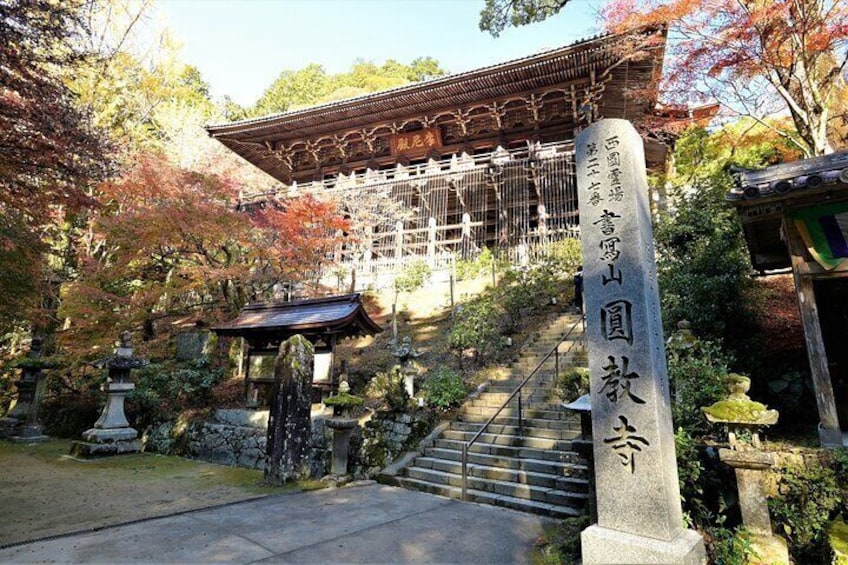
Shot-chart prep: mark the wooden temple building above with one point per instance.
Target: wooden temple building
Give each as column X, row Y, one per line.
column 440, row 169
column 795, row 215
column 323, row 321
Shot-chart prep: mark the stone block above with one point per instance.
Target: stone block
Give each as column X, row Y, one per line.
column 603, row 546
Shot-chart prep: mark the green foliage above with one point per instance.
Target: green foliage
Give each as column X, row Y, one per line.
column 71, row 413
column 571, row 384
column 445, row 389
column 703, row 264
column 163, row 389
column 413, row 276
column 708, row 494
column 497, row 15
column 808, row 496
column 560, row 542
column 312, row 84
column 482, row 323
column 344, row 402
column 696, row 372
column 388, row 386
column 479, row 266
column 476, row 327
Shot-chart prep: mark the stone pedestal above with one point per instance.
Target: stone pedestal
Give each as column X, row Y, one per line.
column 603, row 546
column 342, row 430
column 111, row 434
column 750, row 466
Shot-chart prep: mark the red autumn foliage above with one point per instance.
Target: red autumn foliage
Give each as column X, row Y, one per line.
column 170, row 243
column 755, row 57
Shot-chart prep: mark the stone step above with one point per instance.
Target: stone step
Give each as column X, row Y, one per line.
column 538, row 401
column 572, row 423
column 510, row 440
column 548, row 495
column 526, row 431
column 518, row 476
column 515, row 451
column 483, row 497
column 550, row 411
column 571, row 467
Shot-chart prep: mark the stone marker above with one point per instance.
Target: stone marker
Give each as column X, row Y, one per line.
column 638, row 497
column 289, row 423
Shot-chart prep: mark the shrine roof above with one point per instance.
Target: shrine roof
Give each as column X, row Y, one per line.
column 343, row 315
column 764, row 198
column 556, row 66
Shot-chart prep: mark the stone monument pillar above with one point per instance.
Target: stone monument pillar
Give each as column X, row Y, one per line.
column 638, row 498
column 112, row 433
column 289, row 421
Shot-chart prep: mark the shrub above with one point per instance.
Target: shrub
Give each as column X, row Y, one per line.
column 571, row 384
column 70, row 414
column 808, row 497
column 388, row 386
column 476, row 327
column 163, row 389
column 445, row 389
column 480, row 266
column 696, row 372
column 412, row 277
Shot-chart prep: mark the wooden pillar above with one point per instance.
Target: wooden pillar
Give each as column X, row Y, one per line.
column 431, row 241
column 398, row 241
column 830, row 435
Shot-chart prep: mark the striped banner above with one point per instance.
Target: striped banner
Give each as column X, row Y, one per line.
column 824, row 230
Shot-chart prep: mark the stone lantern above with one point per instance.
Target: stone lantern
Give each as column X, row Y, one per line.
column 21, row 423
column 744, row 418
column 406, row 355
column 112, row 433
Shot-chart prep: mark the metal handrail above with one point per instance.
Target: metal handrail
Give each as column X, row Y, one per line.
column 468, row 444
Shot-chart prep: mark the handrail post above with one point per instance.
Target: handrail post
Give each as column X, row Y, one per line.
column 520, row 417
column 556, row 363
column 464, row 471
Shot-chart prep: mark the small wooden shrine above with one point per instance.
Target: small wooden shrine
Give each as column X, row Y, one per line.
column 323, row 321
column 796, row 215
column 444, row 168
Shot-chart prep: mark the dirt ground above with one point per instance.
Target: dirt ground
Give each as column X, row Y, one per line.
column 46, row 492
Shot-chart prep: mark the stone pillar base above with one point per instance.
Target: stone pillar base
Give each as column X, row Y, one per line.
column 91, row 449
column 768, row 550
column 29, row 434
column 9, row 426
column 101, row 442
column 831, row 438
column 605, row 546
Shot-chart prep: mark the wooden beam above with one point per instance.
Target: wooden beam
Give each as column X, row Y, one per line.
column 830, row 434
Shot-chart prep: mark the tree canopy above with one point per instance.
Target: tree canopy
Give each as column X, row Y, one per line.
column 49, row 153
column 756, row 58
column 497, row 15
column 312, row 85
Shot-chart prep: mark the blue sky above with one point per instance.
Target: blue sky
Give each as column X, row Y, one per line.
column 240, row 46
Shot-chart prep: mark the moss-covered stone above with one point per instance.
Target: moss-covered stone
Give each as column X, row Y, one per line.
column 837, row 536
column 344, row 400
column 736, row 410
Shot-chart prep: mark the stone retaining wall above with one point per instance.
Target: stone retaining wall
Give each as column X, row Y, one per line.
column 238, row 438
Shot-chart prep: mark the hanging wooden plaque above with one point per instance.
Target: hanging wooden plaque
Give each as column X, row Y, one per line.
column 420, row 141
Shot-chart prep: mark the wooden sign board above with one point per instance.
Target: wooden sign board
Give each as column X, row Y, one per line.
column 420, row 141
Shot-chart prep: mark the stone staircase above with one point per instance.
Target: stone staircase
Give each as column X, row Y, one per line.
column 533, row 469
